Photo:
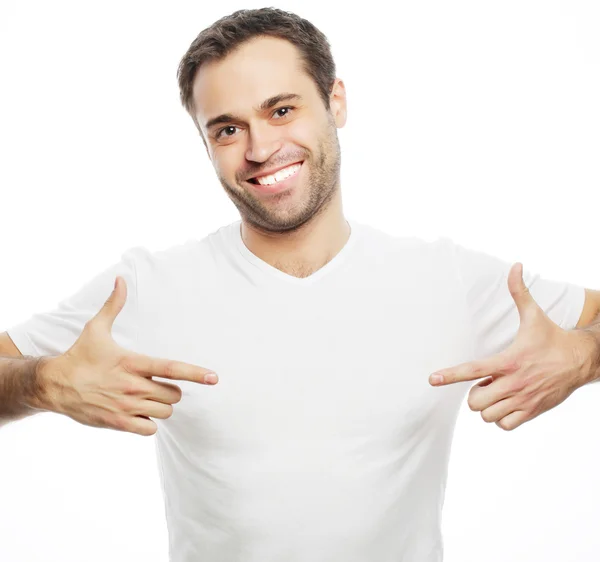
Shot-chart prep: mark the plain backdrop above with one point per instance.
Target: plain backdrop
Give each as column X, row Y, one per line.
column 468, row 119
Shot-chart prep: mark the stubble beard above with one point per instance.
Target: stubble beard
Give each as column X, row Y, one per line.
column 320, row 184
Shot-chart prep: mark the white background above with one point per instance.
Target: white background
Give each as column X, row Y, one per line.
column 469, row 119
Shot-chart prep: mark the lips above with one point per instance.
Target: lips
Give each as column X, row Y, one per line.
column 277, row 188
column 272, row 171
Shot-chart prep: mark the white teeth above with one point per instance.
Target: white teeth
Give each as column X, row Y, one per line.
column 280, row 175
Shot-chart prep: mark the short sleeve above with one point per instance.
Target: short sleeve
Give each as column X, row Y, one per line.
column 53, row 332
column 493, row 312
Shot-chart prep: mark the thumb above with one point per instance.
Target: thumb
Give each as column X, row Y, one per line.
column 519, row 291
column 113, row 305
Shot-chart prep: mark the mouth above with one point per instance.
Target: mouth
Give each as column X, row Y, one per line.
column 279, row 175
column 279, row 181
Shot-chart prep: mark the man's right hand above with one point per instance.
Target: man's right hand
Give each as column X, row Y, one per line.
column 97, row 383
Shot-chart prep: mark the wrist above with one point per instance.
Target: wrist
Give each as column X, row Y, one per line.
column 590, row 353
column 40, row 397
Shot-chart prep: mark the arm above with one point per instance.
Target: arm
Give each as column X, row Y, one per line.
column 21, row 387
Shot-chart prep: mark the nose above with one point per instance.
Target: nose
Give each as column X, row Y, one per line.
column 264, row 142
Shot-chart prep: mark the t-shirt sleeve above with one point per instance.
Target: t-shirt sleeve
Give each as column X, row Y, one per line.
column 53, row 332
column 493, row 312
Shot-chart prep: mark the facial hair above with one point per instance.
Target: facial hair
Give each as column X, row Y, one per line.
column 320, row 183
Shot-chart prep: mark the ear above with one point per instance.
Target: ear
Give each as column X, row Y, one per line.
column 337, row 102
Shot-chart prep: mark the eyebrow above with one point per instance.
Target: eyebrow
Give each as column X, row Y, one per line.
column 267, row 104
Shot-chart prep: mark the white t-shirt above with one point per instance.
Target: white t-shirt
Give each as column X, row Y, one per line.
column 323, row 440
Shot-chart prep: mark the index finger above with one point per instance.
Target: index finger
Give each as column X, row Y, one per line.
column 459, row 373
column 170, row 369
column 500, row 363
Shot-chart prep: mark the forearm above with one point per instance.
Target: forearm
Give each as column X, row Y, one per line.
column 20, row 387
column 592, row 333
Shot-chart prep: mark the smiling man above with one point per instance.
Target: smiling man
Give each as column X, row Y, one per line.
column 271, row 136
column 323, row 440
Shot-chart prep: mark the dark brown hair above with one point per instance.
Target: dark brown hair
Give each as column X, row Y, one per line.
column 228, row 33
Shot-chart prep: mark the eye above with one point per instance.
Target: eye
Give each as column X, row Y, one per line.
column 284, row 107
column 221, row 131
column 218, row 135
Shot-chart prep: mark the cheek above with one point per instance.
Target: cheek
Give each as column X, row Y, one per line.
column 299, row 132
column 227, row 161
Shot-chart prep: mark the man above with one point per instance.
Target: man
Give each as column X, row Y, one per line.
column 323, row 440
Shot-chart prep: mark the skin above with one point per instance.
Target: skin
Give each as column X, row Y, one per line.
column 543, row 366
column 300, row 230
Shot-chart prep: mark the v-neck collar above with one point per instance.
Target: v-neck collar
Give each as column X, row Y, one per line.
column 267, row 268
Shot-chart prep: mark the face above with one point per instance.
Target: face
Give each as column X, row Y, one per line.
column 244, row 140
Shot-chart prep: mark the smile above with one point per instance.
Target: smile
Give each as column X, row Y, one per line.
column 278, row 176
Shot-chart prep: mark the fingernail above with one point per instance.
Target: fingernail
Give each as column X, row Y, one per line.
column 436, row 379
column 212, row 378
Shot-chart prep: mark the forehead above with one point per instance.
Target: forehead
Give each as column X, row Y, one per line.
column 258, row 69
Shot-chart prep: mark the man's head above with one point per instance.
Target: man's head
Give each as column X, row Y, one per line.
column 242, row 62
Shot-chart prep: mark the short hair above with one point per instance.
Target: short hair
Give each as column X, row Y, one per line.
column 228, row 33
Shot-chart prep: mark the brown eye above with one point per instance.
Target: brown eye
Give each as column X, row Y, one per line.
column 284, row 107
column 224, row 129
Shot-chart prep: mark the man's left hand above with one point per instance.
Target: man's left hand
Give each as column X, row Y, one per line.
column 540, row 369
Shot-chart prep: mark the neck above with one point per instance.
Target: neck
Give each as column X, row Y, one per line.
column 302, row 251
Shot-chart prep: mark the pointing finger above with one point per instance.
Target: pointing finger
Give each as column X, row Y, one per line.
column 498, row 364
column 170, row 369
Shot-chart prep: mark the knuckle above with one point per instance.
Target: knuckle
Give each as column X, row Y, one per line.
column 120, row 423
column 96, row 420
column 103, row 419
column 515, row 386
column 166, row 411
column 173, row 392
column 537, row 406
column 127, row 404
column 169, row 369
column 147, row 429
column 485, row 415
column 472, row 403
column 509, row 365
column 177, row 394
column 127, row 364
column 519, row 401
column 533, row 401
column 514, row 365
column 130, row 387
